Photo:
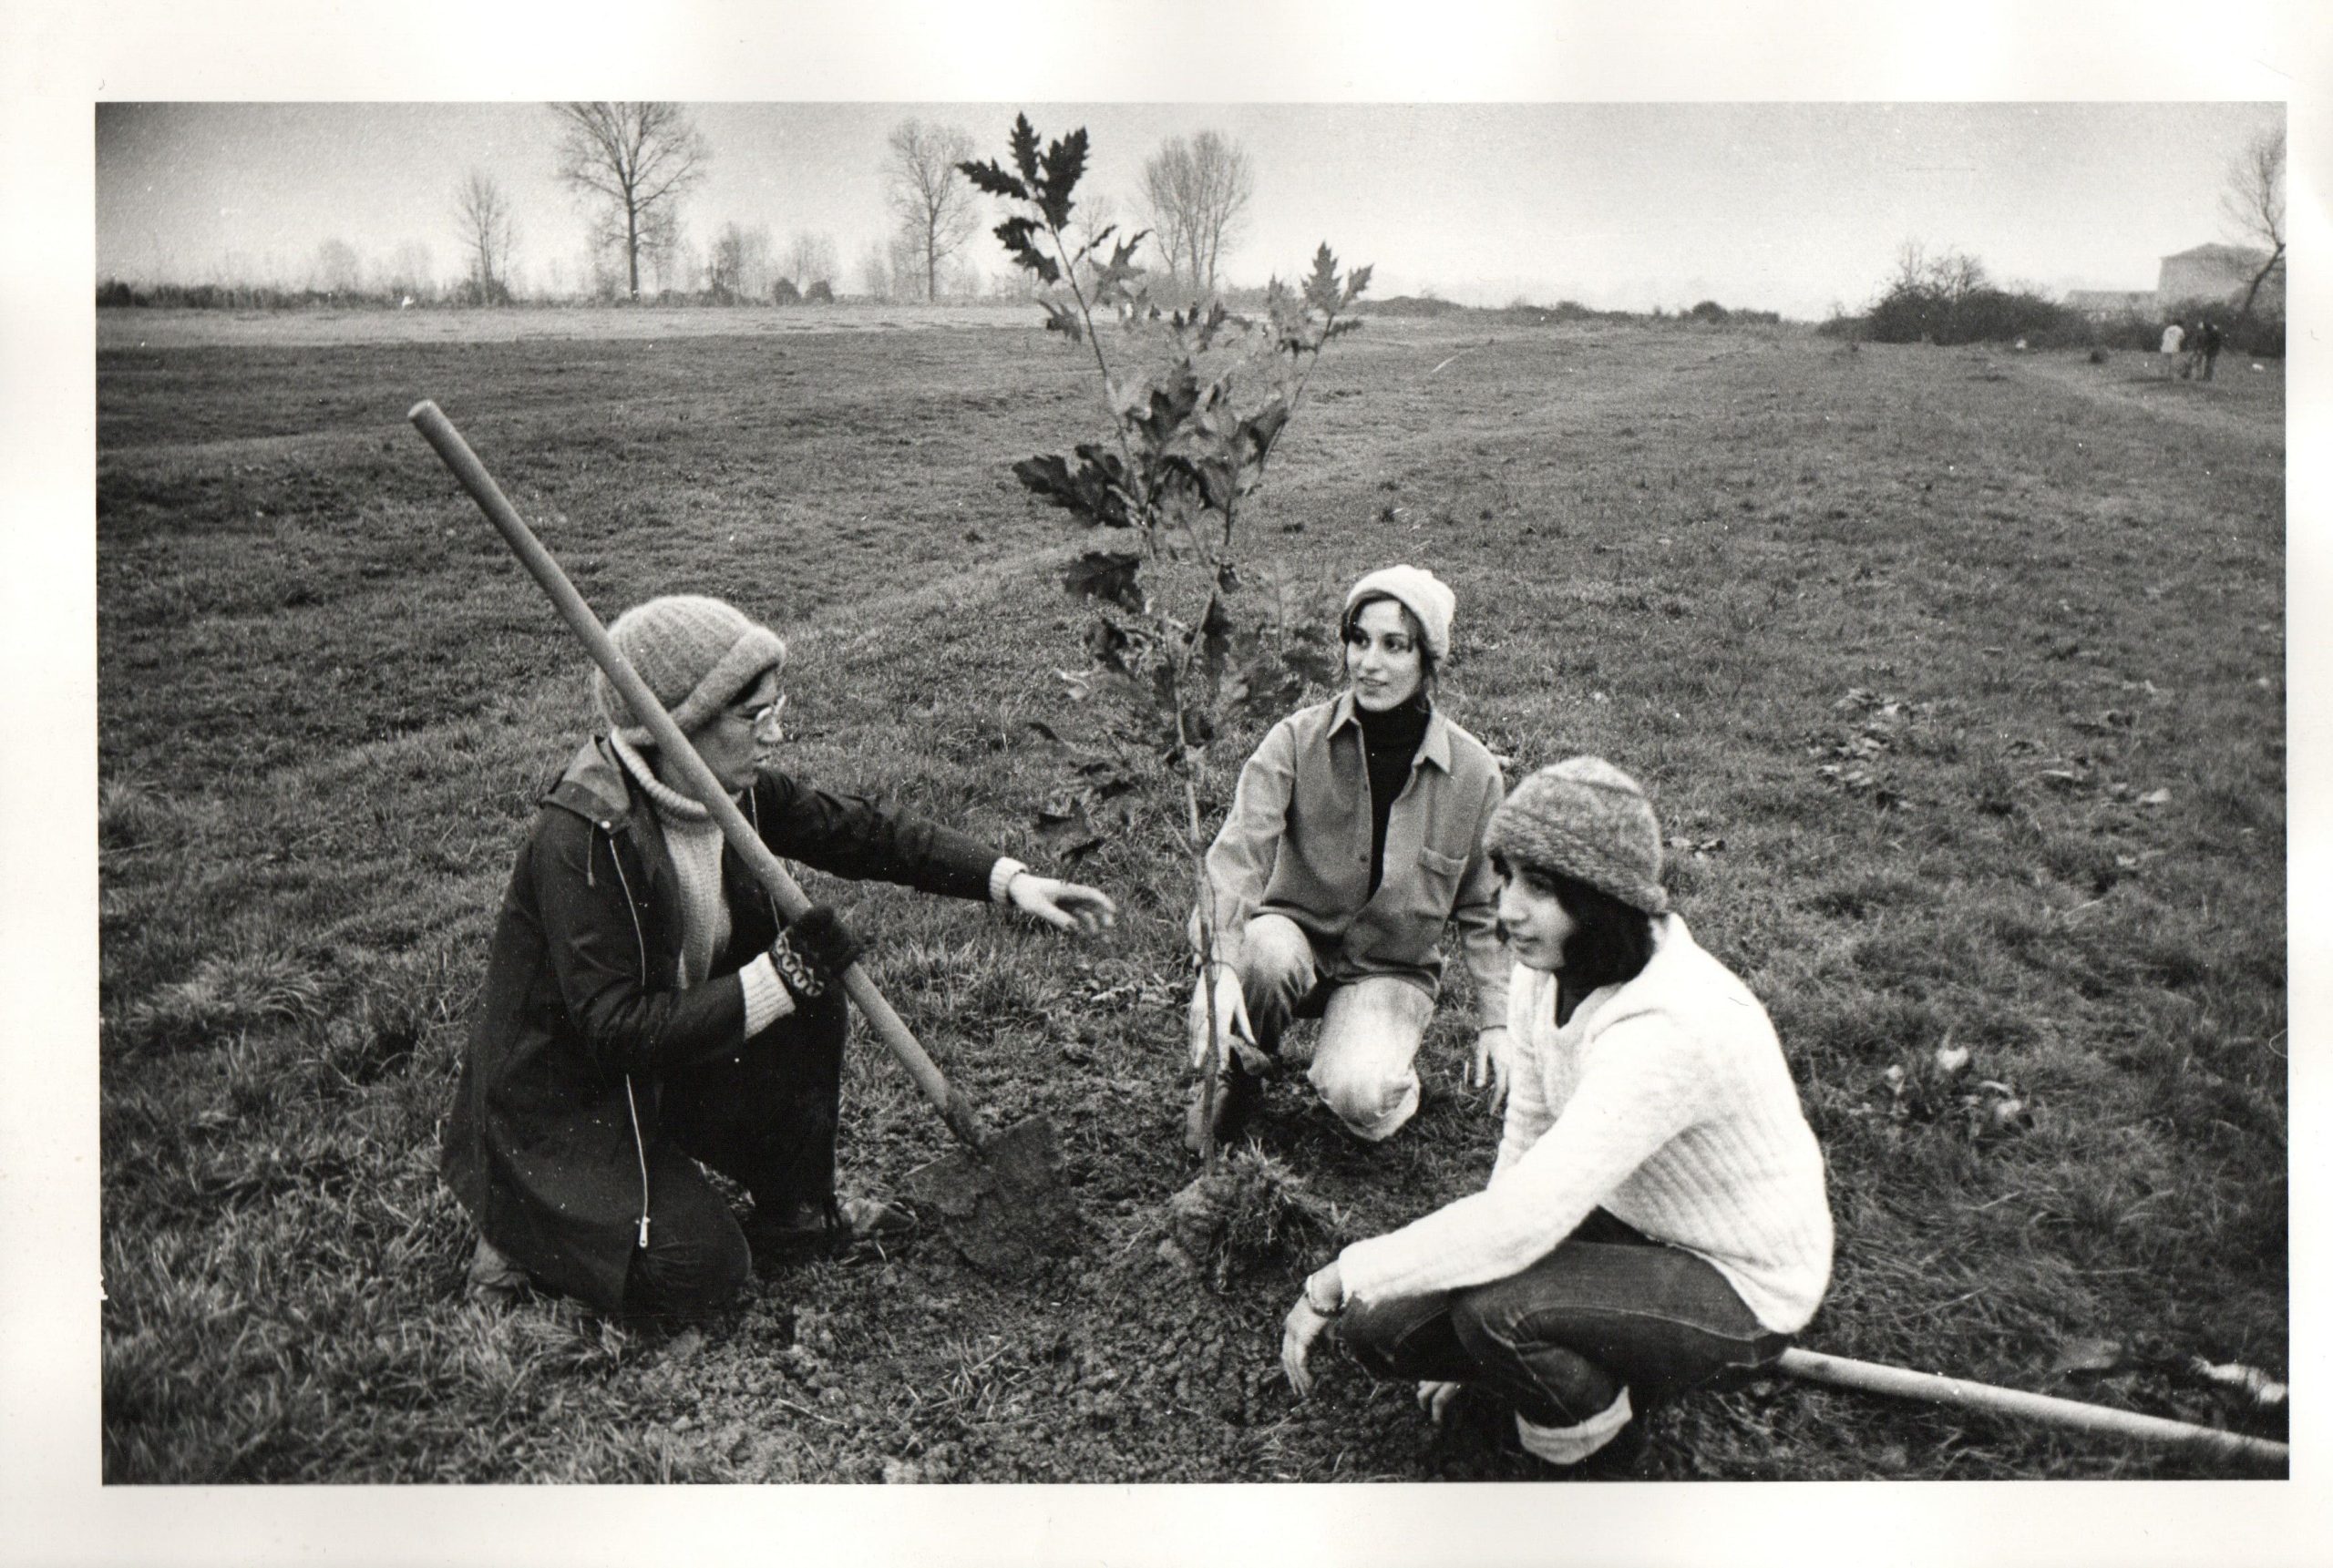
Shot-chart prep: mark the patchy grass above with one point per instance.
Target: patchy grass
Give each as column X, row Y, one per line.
column 1961, row 697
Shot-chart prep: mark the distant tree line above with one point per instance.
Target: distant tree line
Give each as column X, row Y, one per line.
column 632, row 167
column 1947, row 297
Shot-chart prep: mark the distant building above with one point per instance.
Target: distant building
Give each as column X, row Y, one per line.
column 2111, row 302
column 2205, row 272
column 2216, row 273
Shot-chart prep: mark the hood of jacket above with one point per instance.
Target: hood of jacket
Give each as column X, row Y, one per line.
column 594, row 786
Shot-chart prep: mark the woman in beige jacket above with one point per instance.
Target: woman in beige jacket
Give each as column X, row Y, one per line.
column 1355, row 841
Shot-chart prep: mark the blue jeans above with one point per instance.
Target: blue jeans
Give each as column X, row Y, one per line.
column 1609, row 1308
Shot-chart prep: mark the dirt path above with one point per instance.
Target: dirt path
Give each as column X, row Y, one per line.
column 2238, row 403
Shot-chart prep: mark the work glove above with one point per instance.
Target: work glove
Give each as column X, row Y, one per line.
column 1230, row 1012
column 812, row 953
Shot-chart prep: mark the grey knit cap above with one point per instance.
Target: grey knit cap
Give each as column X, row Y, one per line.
column 1588, row 820
column 696, row 654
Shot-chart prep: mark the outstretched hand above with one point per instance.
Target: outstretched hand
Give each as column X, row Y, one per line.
column 1064, row 906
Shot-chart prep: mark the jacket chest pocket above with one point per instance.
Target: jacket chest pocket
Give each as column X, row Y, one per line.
column 1439, row 869
column 1429, row 892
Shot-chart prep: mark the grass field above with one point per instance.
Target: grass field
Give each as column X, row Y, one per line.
column 1958, row 677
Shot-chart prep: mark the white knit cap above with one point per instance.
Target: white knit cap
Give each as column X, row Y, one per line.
column 1421, row 593
column 694, row 654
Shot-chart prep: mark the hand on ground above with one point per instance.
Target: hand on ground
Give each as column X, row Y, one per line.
column 1489, row 1069
column 1434, row 1399
column 1304, row 1326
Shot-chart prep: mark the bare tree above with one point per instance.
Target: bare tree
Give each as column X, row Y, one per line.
column 875, row 272
column 637, row 160
column 2253, row 205
column 810, row 259
column 411, row 273
column 1168, row 220
column 483, row 216
column 741, row 262
column 1958, row 275
column 1911, row 265
column 1949, row 275
column 674, row 259
column 337, row 269
column 1198, row 192
column 904, row 256
column 603, row 270
column 936, row 205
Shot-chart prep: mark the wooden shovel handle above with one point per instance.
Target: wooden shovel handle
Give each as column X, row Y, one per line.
column 963, row 1119
column 1876, row 1378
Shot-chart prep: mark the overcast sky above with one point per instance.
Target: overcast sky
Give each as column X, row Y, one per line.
column 1792, row 207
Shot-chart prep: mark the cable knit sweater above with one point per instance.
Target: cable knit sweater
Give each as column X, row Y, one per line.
column 1666, row 1100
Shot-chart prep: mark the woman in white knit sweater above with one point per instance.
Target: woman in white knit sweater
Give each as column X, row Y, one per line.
column 1656, row 1214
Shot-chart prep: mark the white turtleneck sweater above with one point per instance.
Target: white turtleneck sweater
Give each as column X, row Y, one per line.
column 1666, row 1100
column 694, row 839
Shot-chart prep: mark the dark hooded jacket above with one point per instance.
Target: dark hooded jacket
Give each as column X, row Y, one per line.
column 583, row 1017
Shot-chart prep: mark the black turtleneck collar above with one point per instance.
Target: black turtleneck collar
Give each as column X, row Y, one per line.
column 1399, row 728
column 1389, row 744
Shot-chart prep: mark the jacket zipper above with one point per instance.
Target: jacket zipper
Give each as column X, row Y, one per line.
column 640, row 940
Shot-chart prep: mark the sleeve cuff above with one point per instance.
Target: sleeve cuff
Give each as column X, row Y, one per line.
column 999, row 878
column 1230, row 940
column 1352, row 1272
column 766, row 998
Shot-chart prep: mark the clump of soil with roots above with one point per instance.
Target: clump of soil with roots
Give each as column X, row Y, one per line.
column 1249, row 1215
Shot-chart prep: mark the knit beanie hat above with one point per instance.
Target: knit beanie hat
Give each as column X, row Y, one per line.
column 1588, row 820
column 695, row 654
column 1421, row 593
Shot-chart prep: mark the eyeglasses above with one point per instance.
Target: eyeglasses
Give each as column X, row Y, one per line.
column 764, row 720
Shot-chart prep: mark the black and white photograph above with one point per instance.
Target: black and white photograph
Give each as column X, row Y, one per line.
column 1165, row 777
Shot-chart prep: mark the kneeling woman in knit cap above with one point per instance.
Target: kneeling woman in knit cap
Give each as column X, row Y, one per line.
column 644, row 1010
column 1354, row 840
column 1657, row 1212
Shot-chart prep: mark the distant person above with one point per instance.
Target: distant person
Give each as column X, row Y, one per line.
column 2173, row 334
column 646, row 1009
column 1355, row 841
column 2207, row 344
column 1657, row 1216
